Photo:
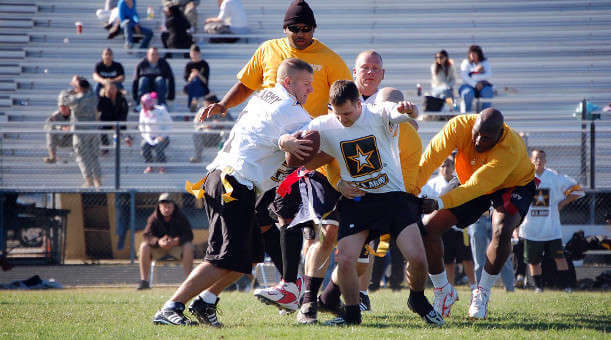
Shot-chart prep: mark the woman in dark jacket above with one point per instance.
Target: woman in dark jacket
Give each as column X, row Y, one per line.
column 112, row 107
column 177, row 26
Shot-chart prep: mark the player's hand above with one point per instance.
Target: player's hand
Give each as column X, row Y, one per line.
column 349, row 190
column 211, row 110
column 300, row 148
column 165, row 242
column 429, row 205
column 408, row 108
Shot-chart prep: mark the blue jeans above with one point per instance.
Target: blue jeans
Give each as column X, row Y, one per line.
column 147, row 85
column 128, row 32
column 196, row 89
column 480, row 233
column 467, row 93
column 159, row 150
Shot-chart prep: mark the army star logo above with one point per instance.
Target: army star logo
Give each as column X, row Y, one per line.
column 362, row 159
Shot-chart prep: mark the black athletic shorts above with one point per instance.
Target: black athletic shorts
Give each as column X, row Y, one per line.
column 263, row 217
column 230, row 240
column 454, row 248
column 514, row 200
column 387, row 213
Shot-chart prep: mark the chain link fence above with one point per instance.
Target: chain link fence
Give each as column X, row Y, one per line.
column 66, row 222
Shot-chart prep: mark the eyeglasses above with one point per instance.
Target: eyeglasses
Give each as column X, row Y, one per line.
column 297, row 29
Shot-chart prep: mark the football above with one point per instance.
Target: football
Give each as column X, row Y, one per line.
column 292, row 161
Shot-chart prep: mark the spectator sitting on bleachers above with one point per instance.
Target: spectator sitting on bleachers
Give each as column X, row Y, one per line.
column 113, row 107
column 177, row 25
column 230, row 20
column 130, row 23
column 153, row 74
column 443, row 76
column 54, row 140
column 475, row 72
column 167, row 232
column 83, row 104
column 209, row 140
column 196, row 75
column 188, row 8
column 108, row 71
column 154, row 125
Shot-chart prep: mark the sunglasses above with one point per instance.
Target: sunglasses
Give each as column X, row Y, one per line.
column 297, row 29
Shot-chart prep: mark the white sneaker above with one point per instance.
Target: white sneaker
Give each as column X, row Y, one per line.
column 479, row 304
column 284, row 296
column 538, row 290
column 444, row 299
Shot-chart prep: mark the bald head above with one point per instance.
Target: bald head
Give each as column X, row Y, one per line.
column 487, row 130
column 389, row 94
column 368, row 72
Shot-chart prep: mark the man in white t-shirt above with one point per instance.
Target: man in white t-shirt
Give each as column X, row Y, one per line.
column 541, row 229
column 232, row 15
column 365, row 142
column 245, row 166
column 454, row 248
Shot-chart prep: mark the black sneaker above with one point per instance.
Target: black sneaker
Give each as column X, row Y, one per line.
column 365, row 304
column 143, row 285
column 167, row 316
column 426, row 312
column 307, row 313
column 339, row 321
column 205, row 312
column 334, row 309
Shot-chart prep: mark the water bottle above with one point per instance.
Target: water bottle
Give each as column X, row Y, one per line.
column 150, row 13
column 419, row 89
column 455, row 108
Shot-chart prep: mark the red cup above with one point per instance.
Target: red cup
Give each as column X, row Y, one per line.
column 79, row 27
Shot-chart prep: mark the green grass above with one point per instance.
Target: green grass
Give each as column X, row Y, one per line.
column 126, row 314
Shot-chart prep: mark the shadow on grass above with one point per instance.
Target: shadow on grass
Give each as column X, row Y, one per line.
column 573, row 321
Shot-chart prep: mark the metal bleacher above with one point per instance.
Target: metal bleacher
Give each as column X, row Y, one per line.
column 546, row 57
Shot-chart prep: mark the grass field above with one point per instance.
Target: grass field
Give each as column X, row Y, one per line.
column 126, row 313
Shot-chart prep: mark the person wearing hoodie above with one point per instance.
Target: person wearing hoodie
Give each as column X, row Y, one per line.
column 167, row 232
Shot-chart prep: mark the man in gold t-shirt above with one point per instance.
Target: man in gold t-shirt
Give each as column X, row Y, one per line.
column 493, row 168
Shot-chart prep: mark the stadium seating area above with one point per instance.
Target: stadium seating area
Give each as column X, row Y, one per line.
column 546, row 57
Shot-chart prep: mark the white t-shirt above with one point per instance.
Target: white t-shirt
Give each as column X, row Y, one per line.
column 252, row 147
column 233, row 14
column 542, row 223
column 367, row 151
column 371, row 99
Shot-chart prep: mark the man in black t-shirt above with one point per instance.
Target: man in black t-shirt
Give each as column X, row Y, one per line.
column 108, row 70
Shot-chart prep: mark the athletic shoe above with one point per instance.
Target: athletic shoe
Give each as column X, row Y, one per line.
column 339, row 321
column 538, row 290
column 426, row 312
column 143, row 285
column 334, row 309
column 568, row 290
column 520, row 281
column 365, row 304
column 444, row 299
column 479, row 304
column 166, row 316
column 205, row 312
column 284, row 296
column 307, row 313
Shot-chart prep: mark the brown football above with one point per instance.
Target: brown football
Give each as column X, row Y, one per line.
column 311, row 135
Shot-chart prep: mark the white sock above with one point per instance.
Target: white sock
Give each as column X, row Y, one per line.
column 487, row 280
column 364, row 292
column 439, row 280
column 208, row 296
